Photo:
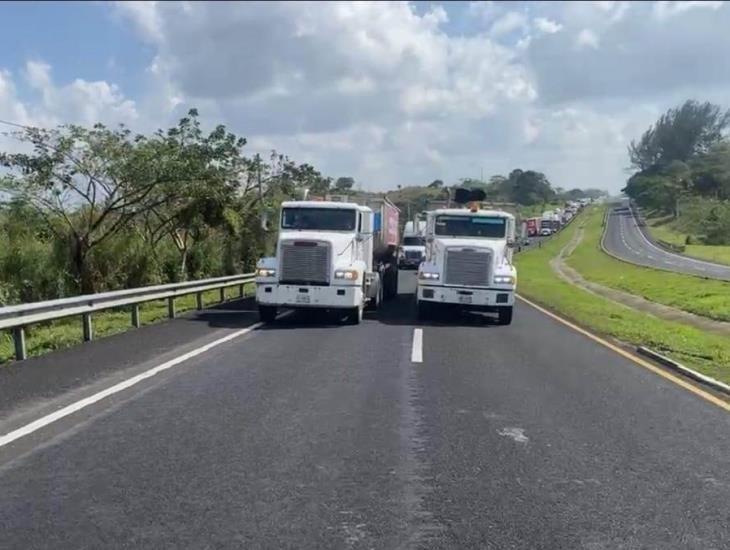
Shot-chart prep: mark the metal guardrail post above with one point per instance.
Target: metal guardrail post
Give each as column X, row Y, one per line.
column 171, row 307
column 88, row 328
column 135, row 315
column 199, row 300
column 19, row 340
column 223, row 294
column 240, row 291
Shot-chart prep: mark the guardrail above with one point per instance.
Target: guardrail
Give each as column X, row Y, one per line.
column 20, row 316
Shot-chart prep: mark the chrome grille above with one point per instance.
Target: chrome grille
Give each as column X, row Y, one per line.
column 305, row 262
column 468, row 267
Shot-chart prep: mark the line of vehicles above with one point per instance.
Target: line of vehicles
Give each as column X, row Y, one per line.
column 552, row 221
column 343, row 253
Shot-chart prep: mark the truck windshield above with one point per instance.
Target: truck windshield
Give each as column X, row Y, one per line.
column 412, row 241
column 471, row 226
column 322, row 219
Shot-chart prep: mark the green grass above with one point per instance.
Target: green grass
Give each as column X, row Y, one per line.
column 64, row 333
column 706, row 297
column 660, row 230
column 707, row 353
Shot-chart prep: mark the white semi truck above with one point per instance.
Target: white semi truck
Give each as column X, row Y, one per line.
column 468, row 262
column 413, row 249
column 332, row 255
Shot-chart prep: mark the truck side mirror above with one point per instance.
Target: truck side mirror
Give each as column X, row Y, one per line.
column 511, row 243
column 265, row 221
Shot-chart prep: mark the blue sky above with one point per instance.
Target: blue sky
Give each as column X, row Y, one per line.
column 389, row 92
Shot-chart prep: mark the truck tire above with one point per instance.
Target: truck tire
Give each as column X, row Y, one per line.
column 425, row 310
column 377, row 300
column 267, row 314
column 390, row 282
column 354, row 316
column 504, row 315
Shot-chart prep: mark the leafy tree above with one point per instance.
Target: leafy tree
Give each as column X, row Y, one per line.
column 199, row 175
column 436, row 184
column 344, row 183
column 86, row 184
column 679, row 134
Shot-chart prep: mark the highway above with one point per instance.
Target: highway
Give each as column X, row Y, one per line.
column 308, row 433
column 625, row 239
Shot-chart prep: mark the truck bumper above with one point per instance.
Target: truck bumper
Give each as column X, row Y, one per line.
column 482, row 298
column 296, row 296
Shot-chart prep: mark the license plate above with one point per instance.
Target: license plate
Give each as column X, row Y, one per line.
column 464, row 299
column 302, row 299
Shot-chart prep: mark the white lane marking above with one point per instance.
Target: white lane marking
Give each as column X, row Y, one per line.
column 417, row 349
column 652, row 245
column 518, row 434
column 121, row 386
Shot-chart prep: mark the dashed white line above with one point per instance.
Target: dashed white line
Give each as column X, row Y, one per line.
column 417, row 348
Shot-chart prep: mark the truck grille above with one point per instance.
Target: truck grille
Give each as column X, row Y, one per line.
column 468, row 267
column 413, row 254
column 305, row 262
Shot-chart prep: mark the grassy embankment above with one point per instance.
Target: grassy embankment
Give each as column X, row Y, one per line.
column 68, row 332
column 709, row 354
column 706, row 297
column 659, row 229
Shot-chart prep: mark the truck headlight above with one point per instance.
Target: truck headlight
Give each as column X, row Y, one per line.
column 504, row 280
column 428, row 276
column 347, row 274
column 265, row 272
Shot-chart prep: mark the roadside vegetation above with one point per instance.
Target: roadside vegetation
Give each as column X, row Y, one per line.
column 45, row 337
column 707, row 353
column 682, row 179
column 706, row 297
column 686, row 241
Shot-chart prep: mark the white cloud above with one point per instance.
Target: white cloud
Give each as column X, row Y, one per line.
column 391, row 94
column 587, row 38
column 546, row 25
column 663, row 10
column 509, row 22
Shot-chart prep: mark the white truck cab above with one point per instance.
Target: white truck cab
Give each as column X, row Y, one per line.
column 468, row 262
column 413, row 248
column 330, row 254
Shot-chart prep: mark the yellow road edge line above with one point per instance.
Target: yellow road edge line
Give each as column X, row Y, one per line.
column 634, row 358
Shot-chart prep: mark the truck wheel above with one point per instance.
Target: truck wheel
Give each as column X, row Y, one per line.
column 391, row 283
column 377, row 300
column 505, row 315
column 267, row 314
column 354, row 316
column 425, row 310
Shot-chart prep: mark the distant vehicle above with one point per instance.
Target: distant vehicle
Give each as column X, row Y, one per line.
column 331, row 254
column 546, row 231
column 413, row 249
column 469, row 262
column 533, row 227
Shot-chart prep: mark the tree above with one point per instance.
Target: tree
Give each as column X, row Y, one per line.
column 530, row 187
column 679, row 134
column 436, row 184
column 200, row 176
column 344, row 183
column 86, row 184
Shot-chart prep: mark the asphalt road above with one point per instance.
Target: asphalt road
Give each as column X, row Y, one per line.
column 313, row 434
column 625, row 239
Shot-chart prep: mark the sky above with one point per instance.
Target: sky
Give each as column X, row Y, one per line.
column 390, row 93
